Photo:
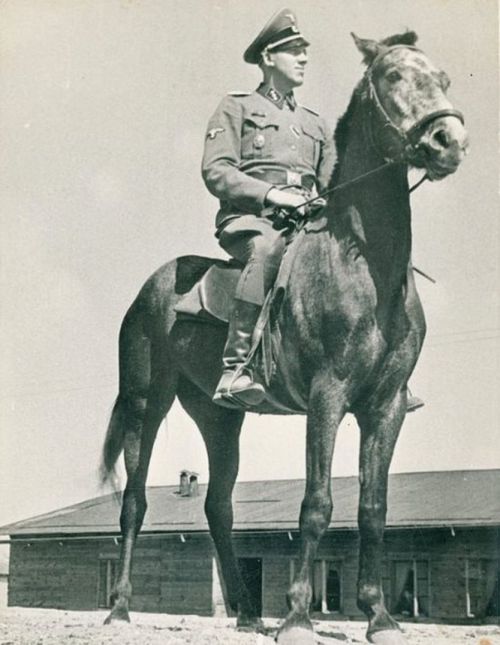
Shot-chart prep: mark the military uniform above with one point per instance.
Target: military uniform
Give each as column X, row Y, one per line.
column 260, row 140
column 255, row 142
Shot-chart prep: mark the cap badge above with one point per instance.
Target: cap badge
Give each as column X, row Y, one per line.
column 259, row 141
column 293, row 25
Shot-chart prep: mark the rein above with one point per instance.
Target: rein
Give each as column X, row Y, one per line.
column 346, row 184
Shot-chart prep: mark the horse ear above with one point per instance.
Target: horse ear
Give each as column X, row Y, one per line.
column 408, row 38
column 369, row 48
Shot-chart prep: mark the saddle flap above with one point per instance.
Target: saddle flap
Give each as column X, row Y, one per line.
column 214, row 293
column 217, row 289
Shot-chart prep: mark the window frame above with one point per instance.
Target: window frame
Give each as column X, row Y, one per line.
column 414, row 561
column 339, row 563
column 109, row 579
column 479, row 561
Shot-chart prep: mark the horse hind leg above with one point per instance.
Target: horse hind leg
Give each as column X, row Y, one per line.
column 220, row 428
column 139, row 438
column 147, row 392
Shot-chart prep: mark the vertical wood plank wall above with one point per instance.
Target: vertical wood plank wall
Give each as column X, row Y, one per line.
column 174, row 576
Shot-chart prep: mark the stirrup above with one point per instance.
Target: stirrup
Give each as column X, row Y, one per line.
column 248, row 396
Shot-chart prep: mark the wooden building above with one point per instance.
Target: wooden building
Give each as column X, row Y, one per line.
column 442, row 550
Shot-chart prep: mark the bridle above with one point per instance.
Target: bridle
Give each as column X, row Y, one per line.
column 408, row 140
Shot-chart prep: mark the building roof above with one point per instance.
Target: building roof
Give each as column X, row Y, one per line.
column 429, row 499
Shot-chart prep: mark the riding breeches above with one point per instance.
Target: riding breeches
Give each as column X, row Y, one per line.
column 255, row 243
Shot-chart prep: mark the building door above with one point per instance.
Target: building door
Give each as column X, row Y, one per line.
column 251, row 570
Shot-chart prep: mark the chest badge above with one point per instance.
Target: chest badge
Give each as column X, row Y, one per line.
column 211, row 134
column 259, row 141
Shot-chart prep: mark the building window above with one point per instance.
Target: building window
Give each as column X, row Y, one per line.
column 326, row 585
column 481, row 587
column 107, row 574
column 406, row 586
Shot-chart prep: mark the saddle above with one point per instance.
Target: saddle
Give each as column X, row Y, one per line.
column 212, row 295
column 210, row 301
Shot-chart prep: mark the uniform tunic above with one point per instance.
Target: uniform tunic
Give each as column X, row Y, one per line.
column 260, row 140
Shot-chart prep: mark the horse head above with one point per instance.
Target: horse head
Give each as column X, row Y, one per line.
column 411, row 118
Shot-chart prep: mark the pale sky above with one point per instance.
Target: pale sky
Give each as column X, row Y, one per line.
column 103, row 114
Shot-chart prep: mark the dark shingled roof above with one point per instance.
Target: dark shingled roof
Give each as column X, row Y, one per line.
column 430, row 499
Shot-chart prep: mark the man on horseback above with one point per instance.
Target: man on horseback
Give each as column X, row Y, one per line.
column 262, row 151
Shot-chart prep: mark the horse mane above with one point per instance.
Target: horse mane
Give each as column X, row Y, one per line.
column 341, row 134
column 359, row 95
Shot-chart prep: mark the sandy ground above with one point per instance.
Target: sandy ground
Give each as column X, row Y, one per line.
column 19, row 626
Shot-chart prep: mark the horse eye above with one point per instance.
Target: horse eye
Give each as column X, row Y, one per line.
column 394, row 76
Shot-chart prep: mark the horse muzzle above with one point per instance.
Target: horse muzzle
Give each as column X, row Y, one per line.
column 442, row 147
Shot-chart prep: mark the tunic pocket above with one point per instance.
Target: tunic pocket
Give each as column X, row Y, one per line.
column 258, row 138
column 312, row 142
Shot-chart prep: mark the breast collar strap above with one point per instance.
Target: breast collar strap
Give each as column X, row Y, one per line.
column 408, row 139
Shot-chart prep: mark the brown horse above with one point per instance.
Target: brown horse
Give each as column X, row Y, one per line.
column 350, row 326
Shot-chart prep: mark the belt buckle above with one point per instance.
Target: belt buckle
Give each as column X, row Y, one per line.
column 293, row 178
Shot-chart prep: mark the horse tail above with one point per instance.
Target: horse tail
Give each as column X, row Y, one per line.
column 113, row 444
column 135, row 369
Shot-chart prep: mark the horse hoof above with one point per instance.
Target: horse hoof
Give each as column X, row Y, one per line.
column 255, row 626
column 118, row 613
column 387, row 637
column 296, row 636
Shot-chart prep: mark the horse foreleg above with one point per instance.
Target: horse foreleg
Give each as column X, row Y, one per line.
column 220, row 428
column 379, row 433
column 325, row 412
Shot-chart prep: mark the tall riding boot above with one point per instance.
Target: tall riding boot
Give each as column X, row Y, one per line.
column 236, row 385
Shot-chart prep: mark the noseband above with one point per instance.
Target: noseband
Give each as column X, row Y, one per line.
column 409, row 140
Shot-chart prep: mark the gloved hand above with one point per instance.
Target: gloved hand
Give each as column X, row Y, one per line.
column 287, row 199
column 316, row 205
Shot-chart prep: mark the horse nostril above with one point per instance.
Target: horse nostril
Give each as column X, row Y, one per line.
column 441, row 138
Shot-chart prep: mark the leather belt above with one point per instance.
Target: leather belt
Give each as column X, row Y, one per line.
column 280, row 177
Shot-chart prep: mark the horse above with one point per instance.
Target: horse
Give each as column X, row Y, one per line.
column 350, row 324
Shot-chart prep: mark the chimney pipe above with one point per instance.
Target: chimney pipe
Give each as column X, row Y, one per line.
column 193, row 485
column 188, row 485
column 184, row 483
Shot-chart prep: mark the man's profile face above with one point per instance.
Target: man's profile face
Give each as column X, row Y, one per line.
column 290, row 63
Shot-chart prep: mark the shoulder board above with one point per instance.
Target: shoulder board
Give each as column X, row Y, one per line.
column 310, row 110
column 239, row 93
